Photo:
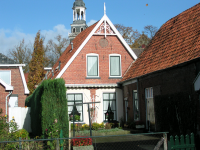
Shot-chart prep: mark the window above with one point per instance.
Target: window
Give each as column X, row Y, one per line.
column 81, row 29
column 75, row 99
column 115, row 65
column 136, row 105
column 13, row 101
column 92, row 65
column 109, row 98
column 149, row 92
column 5, row 75
column 74, row 30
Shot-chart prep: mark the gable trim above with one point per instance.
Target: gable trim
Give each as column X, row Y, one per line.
column 7, row 87
column 26, row 91
column 90, row 85
column 104, row 18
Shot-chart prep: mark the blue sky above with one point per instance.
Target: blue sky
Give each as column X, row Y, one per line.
column 23, row 18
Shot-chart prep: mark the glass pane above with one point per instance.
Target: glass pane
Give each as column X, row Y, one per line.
column 70, row 103
column 5, row 76
column 114, row 115
column 106, row 96
column 79, row 108
column 112, row 96
column 92, row 63
column 112, row 105
column 135, row 96
column 105, row 105
column 70, row 97
column 115, row 66
column 70, row 109
column 78, row 97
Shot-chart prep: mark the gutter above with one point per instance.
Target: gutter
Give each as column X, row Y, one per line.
column 7, row 103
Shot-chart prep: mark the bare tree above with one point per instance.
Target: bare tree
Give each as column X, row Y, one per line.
column 150, row 30
column 127, row 33
column 54, row 49
column 21, row 54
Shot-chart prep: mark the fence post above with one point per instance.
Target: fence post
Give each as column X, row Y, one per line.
column 171, row 142
column 61, row 140
column 187, row 141
column 57, row 144
column 165, row 141
column 20, row 143
column 192, row 140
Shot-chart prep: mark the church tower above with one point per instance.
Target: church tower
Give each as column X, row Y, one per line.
column 79, row 19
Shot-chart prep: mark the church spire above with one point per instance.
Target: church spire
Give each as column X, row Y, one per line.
column 79, row 19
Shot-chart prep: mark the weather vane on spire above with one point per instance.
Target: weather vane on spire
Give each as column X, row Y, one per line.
column 104, row 8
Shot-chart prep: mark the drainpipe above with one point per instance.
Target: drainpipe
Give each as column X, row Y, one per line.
column 7, row 103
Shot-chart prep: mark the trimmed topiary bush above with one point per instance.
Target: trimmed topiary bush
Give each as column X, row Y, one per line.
column 49, row 107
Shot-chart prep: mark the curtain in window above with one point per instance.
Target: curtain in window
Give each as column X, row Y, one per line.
column 5, row 76
column 115, row 66
column 92, row 63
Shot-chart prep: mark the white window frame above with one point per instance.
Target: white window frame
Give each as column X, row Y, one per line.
column 110, row 55
column 107, row 92
column 79, row 105
column 88, row 55
column 10, row 75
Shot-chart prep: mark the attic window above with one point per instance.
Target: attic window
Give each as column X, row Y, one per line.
column 5, row 75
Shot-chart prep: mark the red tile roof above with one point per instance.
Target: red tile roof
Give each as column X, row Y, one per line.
column 67, row 54
column 176, row 42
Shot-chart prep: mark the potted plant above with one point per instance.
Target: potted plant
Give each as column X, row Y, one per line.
column 82, row 143
column 77, row 117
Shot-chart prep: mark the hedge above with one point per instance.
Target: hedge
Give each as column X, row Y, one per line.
column 176, row 113
column 48, row 103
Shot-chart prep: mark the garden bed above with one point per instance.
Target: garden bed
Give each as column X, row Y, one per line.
column 102, row 132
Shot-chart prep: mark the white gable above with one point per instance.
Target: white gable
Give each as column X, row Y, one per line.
column 103, row 27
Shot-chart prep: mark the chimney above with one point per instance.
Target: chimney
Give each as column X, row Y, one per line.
column 59, row 65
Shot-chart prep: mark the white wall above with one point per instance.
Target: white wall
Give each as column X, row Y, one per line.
column 21, row 116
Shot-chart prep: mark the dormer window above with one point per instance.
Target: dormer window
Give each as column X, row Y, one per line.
column 115, row 65
column 5, row 75
column 92, row 65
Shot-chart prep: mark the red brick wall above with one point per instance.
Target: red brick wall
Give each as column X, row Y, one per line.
column 76, row 72
column 179, row 79
column 16, row 82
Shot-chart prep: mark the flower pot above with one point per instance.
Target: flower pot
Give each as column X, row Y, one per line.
column 89, row 147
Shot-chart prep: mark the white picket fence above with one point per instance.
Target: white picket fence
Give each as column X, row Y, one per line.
column 21, row 116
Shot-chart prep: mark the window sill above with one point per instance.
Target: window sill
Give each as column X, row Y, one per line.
column 115, row 78
column 93, row 78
